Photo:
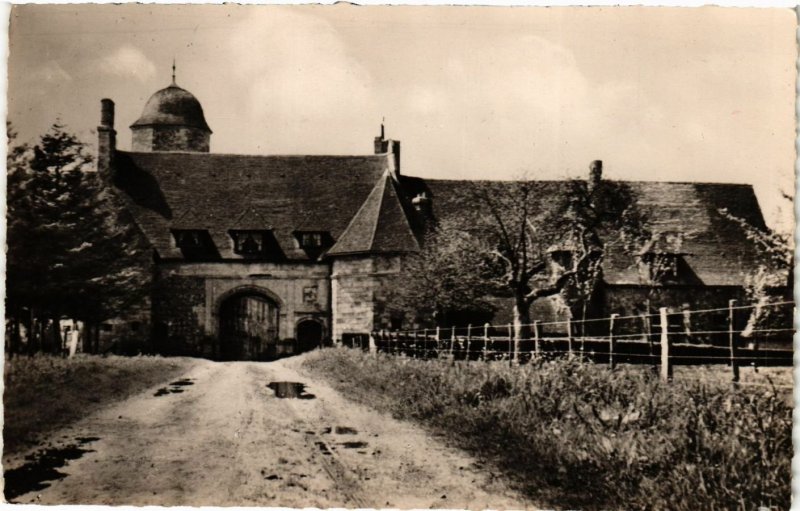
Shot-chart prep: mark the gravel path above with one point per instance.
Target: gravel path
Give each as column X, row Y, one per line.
column 221, row 436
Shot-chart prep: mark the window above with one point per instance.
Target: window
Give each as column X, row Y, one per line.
column 259, row 244
column 563, row 258
column 661, row 268
column 195, row 244
column 311, row 239
column 188, row 238
column 314, row 242
column 248, row 242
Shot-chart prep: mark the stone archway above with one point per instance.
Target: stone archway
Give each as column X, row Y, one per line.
column 248, row 326
column 309, row 335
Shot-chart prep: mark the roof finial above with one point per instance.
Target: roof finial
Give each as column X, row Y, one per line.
column 173, row 70
column 383, row 121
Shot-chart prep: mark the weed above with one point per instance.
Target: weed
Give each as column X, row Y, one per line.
column 580, row 435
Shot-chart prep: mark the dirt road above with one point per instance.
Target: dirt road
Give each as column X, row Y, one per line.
column 222, row 436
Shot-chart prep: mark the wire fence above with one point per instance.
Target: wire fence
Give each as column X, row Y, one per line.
column 758, row 335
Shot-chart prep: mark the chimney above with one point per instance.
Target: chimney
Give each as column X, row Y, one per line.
column 595, row 173
column 106, row 137
column 381, row 144
column 423, row 206
column 384, row 145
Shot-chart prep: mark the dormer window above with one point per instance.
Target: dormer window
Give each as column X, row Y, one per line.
column 311, row 240
column 195, row 244
column 662, row 267
column 248, row 242
column 260, row 244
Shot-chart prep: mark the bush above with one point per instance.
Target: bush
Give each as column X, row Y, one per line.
column 580, row 435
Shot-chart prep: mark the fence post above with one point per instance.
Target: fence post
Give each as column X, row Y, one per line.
column 510, row 344
column 425, row 344
column 666, row 366
column 438, row 332
column 469, row 334
column 536, row 346
column 732, row 341
column 485, row 340
column 452, row 341
column 612, row 343
column 569, row 336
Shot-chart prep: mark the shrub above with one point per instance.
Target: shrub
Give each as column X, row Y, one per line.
column 583, row 436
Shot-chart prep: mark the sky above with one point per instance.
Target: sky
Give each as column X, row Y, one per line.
column 674, row 94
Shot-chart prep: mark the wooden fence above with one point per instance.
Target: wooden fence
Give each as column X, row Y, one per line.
column 731, row 341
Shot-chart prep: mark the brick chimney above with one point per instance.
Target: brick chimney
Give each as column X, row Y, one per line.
column 106, row 137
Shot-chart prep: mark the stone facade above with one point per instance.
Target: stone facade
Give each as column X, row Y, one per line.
column 170, row 138
column 359, row 289
column 188, row 298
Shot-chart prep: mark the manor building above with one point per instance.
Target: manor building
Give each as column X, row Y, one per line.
column 254, row 256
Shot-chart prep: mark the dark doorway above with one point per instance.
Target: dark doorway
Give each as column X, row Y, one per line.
column 248, row 328
column 309, row 335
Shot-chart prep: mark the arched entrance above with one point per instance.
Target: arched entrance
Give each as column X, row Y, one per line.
column 309, row 335
column 248, row 327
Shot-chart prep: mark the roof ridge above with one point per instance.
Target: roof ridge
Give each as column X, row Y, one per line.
column 400, row 200
column 380, row 205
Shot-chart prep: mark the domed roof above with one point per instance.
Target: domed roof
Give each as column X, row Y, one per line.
column 172, row 106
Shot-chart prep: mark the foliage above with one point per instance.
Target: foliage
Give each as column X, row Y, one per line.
column 70, row 252
column 580, row 436
column 519, row 226
column 774, row 272
column 446, row 280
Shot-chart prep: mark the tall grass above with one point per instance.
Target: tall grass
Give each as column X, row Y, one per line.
column 580, row 435
column 45, row 392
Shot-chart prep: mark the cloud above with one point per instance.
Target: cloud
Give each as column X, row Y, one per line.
column 127, row 62
column 300, row 81
column 51, row 72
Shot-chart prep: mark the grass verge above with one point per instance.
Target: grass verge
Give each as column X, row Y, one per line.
column 44, row 393
column 581, row 436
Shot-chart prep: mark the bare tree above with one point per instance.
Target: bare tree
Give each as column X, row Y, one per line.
column 527, row 223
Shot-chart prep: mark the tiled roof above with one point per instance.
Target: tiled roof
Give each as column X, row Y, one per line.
column 220, row 192
column 382, row 224
column 713, row 246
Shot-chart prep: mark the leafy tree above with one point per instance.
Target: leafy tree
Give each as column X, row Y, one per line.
column 446, row 281
column 773, row 278
column 70, row 253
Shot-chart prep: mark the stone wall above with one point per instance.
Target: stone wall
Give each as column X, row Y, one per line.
column 360, row 286
column 170, row 138
column 188, row 296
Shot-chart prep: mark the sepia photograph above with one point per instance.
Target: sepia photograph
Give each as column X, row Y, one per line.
column 226, row 285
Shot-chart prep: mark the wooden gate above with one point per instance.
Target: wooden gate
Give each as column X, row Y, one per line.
column 248, row 328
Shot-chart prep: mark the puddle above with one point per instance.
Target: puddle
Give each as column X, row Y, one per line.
column 344, row 430
column 174, row 387
column 290, row 389
column 354, row 445
column 41, row 468
column 83, row 440
column 323, row 448
column 326, row 431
